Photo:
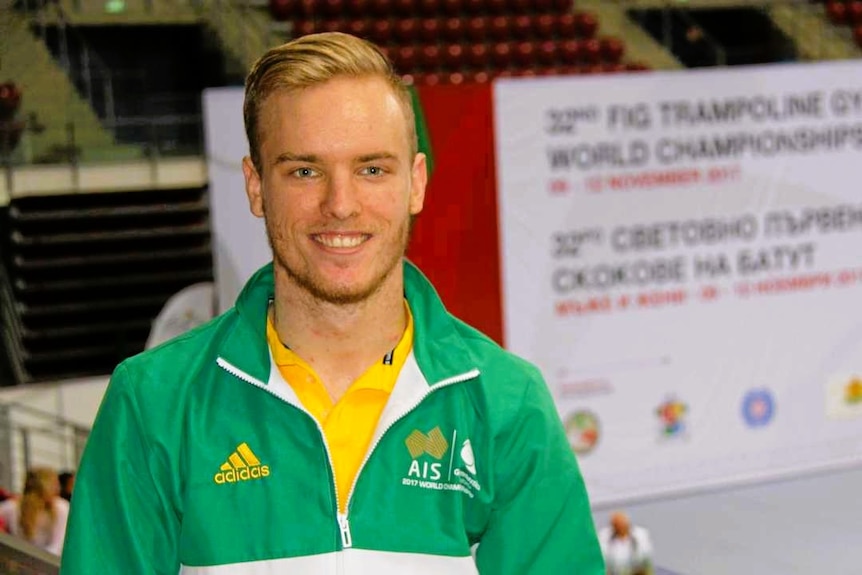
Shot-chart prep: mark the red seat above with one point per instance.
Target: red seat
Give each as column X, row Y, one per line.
column 282, row 10
column 501, row 54
column 546, row 52
column 566, row 26
column 454, row 29
column 357, row 8
column 361, row 28
column 563, row 6
column 333, row 26
column 406, row 58
column 637, row 67
column 570, row 52
column 429, row 57
column 478, row 77
column 525, row 54
column 497, row 6
column 429, row 30
column 406, row 30
column 380, row 8
column 837, row 12
column 304, row 27
column 522, row 27
column 381, row 31
column 452, row 7
column 430, row 7
column 854, row 12
column 592, row 51
column 477, row 29
column 499, row 28
column 476, row 7
column 477, row 55
column 454, row 57
column 587, row 25
column 544, row 26
column 612, row 49
column 332, row 8
column 405, row 8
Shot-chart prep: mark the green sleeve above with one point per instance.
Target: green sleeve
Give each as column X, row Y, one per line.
column 541, row 522
column 121, row 518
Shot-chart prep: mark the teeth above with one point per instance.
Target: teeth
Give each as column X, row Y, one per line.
column 341, row 241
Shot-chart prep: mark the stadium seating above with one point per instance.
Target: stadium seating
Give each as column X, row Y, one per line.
column 461, row 41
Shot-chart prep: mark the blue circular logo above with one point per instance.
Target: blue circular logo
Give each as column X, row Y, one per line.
column 758, row 407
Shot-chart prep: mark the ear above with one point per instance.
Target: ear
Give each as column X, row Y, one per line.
column 252, row 187
column 418, row 181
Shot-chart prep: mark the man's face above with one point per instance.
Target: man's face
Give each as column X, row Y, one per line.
column 337, row 186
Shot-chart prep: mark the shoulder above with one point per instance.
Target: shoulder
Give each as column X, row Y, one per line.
column 9, row 508
column 162, row 369
column 61, row 506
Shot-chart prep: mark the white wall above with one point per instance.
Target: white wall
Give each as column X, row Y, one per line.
column 75, row 400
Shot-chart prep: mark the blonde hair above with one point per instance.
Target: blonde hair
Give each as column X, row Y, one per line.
column 40, row 486
column 311, row 60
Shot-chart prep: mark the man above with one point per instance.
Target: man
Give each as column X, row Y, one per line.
column 337, row 419
column 627, row 550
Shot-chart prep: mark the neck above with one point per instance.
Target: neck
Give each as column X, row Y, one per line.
column 340, row 341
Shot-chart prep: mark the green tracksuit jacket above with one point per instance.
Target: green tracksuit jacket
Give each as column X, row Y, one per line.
column 202, row 461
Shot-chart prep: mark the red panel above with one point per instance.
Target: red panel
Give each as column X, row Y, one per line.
column 455, row 241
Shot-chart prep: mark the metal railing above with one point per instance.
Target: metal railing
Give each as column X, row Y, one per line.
column 31, row 437
column 89, row 74
column 17, row 557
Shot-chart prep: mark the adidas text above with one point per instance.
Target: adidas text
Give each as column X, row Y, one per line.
column 244, row 474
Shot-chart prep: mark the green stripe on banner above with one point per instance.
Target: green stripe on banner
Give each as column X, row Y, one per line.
column 422, row 130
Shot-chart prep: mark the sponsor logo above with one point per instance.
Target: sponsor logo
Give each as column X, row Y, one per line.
column 582, row 429
column 844, row 397
column 241, row 465
column 853, row 392
column 671, row 415
column 434, row 444
column 758, row 407
column 439, row 464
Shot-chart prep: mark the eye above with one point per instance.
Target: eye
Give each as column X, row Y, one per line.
column 372, row 171
column 305, row 173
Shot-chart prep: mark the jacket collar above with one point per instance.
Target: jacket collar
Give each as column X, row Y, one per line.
column 439, row 348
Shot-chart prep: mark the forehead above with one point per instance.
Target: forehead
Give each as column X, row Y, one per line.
column 337, row 114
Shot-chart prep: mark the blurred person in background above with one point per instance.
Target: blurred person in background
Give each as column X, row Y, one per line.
column 67, row 483
column 337, row 418
column 627, row 549
column 39, row 515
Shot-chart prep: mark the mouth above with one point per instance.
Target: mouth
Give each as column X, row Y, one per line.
column 341, row 241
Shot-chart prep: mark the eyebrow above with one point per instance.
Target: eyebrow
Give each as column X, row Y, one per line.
column 375, row 157
column 288, row 157
column 312, row 159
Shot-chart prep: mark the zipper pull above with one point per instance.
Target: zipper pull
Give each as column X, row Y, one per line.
column 344, row 527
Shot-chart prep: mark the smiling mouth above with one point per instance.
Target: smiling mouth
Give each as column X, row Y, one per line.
column 341, row 240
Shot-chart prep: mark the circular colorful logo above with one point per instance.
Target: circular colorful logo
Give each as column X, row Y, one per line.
column 582, row 429
column 758, row 407
column 671, row 415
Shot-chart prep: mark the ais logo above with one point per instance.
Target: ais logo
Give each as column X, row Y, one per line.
column 434, row 444
column 242, row 465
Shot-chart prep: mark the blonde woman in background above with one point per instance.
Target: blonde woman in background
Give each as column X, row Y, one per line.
column 39, row 515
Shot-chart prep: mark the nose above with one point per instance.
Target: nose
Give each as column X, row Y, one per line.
column 341, row 200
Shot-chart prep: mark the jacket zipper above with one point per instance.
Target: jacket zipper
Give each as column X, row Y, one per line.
column 431, row 389
column 341, row 518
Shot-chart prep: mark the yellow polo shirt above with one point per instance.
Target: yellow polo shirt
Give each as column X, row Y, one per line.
column 349, row 424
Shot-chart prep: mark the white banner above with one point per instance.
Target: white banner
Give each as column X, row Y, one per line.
column 682, row 257
column 240, row 238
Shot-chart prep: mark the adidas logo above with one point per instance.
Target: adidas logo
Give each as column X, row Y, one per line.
column 242, row 465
